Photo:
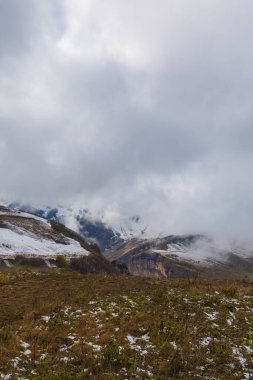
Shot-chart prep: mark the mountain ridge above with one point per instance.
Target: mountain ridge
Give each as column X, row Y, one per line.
column 131, row 251
column 32, row 240
column 181, row 256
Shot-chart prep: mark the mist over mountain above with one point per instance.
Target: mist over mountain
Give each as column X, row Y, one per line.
column 133, row 249
column 94, row 228
column 131, row 108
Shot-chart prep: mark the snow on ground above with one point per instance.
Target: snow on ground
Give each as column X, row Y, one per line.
column 187, row 254
column 206, row 251
column 43, row 221
column 17, row 239
column 199, row 252
column 92, row 339
column 13, row 243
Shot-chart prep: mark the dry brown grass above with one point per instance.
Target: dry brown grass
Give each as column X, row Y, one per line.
column 57, row 324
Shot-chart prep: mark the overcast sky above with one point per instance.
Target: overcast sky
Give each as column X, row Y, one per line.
column 130, row 107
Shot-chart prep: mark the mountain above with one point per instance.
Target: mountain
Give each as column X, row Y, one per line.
column 92, row 229
column 182, row 256
column 81, row 220
column 26, row 238
column 127, row 247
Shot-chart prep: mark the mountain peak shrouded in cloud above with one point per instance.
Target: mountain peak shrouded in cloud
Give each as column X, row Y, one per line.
column 134, row 108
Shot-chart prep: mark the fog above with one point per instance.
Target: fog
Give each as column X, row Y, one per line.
column 130, row 108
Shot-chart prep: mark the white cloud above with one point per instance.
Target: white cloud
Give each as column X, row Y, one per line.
column 130, row 107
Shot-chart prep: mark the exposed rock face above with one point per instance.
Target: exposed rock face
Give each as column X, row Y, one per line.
column 26, row 239
column 154, row 265
column 140, row 259
column 181, row 256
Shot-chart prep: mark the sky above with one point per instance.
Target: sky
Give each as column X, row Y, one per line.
column 130, row 108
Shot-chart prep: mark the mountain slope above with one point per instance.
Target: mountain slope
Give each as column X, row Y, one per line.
column 22, row 233
column 39, row 239
column 126, row 247
column 90, row 228
column 181, row 256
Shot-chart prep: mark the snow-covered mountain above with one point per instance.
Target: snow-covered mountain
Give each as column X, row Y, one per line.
column 93, row 229
column 34, row 237
column 23, row 233
column 129, row 246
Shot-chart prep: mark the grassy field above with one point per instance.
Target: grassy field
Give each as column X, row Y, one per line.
column 57, row 324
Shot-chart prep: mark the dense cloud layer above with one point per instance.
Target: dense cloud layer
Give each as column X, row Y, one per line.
column 131, row 108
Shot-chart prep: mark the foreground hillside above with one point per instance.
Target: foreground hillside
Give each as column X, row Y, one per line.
column 58, row 324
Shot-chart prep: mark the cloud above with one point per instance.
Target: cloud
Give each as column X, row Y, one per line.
column 130, row 108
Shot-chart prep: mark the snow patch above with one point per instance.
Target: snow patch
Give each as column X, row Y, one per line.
column 13, row 243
